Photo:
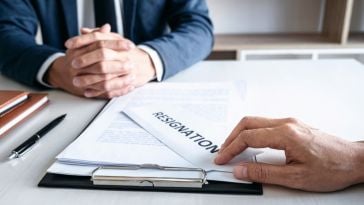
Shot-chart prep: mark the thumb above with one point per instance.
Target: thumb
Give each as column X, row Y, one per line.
column 262, row 173
column 105, row 28
column 86, row 30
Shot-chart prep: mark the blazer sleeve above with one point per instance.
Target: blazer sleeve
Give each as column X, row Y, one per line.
column 20, row 55
column 190, row 38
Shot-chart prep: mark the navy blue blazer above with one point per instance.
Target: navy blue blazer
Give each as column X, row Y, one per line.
column 179, row 30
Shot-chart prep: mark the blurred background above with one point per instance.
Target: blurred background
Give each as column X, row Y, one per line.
column 287, row 29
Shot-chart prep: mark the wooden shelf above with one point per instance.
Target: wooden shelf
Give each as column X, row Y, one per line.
column 356, row 40
column 334, row 34
column 228, row 46
column 229, row 42
column 337, row 19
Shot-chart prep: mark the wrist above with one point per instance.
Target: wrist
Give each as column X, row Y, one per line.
column 359, row 159
column 156, row 61
column 151, row 72
column 52, row 76
column 146, row 69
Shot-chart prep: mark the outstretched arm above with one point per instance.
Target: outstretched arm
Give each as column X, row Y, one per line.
column 315, row 161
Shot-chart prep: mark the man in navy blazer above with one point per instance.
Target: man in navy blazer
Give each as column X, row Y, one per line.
column 159, row 39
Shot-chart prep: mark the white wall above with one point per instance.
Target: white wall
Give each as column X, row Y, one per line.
column 266, row 16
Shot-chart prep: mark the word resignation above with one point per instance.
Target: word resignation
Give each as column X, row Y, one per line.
column 187, row 132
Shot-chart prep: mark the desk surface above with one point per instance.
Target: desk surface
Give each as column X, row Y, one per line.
column 325, row 94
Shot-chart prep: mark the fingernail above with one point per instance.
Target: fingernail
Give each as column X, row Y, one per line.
column 221, row 148
column 131, row 88
column 241, row 172
column 76, row 82
column 88, row 94
column 130, row 80
column 106, row 28
column 218, row 159
column 68, row 44
column 131, row 45
column 75, row 64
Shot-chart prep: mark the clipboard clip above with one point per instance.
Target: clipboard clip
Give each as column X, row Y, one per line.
column 149, row 175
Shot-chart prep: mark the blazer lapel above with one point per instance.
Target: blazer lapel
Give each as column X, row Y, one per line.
column 129, row 12
column 70, row 15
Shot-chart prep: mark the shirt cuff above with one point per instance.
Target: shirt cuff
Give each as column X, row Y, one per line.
column 45, row 66
column 157, row 61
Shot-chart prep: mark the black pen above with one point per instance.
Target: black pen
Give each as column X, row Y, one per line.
column 25, row 146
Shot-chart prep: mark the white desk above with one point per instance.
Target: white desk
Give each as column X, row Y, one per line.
column 326, row 94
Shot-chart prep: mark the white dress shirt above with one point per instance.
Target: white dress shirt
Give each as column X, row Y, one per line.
column 86, row 18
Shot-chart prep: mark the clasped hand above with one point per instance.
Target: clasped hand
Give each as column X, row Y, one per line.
column 101, row 64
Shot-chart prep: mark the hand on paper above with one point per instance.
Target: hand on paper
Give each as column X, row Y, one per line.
column 101, row 64
column 315, row 161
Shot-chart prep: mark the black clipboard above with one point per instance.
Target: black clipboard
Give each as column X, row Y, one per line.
column 213, row 187
column 51, row 180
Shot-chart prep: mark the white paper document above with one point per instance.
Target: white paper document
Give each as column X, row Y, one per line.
column 191, row 136
column 114, row 139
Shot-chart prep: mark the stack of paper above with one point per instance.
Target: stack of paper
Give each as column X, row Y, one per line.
column 211, row 110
